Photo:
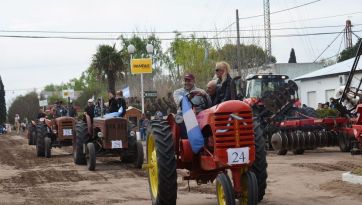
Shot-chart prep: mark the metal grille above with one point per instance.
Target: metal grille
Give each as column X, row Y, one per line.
column 116, row 131
column 232, row 133
column 66, row 125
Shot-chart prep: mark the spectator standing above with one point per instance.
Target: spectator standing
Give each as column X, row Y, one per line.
column 17, row 123
column 143, row 126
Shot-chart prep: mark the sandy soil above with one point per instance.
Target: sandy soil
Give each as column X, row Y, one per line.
column 312, row 178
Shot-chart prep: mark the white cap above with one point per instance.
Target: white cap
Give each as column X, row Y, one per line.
column 90, row 100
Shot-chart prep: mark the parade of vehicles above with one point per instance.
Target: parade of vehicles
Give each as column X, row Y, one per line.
column 46, row 133
column 106, row 137
column 232, row 144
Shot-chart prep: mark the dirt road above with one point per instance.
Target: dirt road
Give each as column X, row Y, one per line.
column 312, row 178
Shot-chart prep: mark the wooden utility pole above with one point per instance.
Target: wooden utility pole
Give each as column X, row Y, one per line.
column 238, row 57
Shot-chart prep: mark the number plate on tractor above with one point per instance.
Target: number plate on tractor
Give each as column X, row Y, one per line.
column 116, row 144
column 238, row 155
column 67, row 132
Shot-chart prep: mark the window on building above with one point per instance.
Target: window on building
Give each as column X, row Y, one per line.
column 330, row 94
column 312, row 99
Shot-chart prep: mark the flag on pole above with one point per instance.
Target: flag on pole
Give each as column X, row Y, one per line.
column 193, row 130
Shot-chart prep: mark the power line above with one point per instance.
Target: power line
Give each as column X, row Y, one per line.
column 165, row 32
column 329, row 45
column 279, row 11
column 186, row 38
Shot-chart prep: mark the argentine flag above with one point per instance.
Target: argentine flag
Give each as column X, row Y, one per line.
column 193, row 130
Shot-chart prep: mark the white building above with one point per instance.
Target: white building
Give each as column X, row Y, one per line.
column 319, row 86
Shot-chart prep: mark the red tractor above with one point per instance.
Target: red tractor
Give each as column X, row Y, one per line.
column 46, row 134
column 106, row 137
column 232, row 143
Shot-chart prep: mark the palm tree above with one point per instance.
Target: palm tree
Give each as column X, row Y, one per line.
column 107, row 64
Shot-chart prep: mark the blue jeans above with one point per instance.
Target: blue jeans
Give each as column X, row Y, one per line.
column 143, row 133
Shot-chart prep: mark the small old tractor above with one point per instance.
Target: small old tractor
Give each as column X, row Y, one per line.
column 106, row 137
column 232, row 146
column 47, row 133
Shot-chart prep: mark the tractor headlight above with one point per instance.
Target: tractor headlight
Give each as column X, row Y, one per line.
column 132, row 133
column 100, row 134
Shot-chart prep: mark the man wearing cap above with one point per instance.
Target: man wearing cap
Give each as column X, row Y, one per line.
column 89, row 109
column 200, row 102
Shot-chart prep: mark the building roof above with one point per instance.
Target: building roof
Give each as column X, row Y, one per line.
column 343, row 67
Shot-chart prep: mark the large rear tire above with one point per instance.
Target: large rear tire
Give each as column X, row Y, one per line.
column 48, row 147
column 344, row 143
column 260, row 164
column 41, row 133
column 224, row 190
column 162, row 176
column 91, row 157
column 81, row 138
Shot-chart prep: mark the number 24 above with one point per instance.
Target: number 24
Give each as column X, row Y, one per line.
column 238, row 156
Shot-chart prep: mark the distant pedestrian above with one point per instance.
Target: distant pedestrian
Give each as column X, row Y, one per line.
column 143, row 126
column 17, row 123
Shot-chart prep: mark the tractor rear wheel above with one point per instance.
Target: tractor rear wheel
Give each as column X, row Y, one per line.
column 91, row 157
column 41, row 133
column 250, row 187
column 162, row 176
column 260, row 164
column 344, row 143
column 32, row 135
column 81, row 138
column 138, row 155
column 48, row 147
column 224, row 190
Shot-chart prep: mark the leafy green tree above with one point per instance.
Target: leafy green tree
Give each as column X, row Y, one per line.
column 107, row 65
column 251, row 55
column 26, row 106
column 292, row 57
column 192, row 55
column 349, row 52
column 2, row 103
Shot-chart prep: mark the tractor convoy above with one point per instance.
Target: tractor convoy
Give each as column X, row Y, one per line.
column 266, row 115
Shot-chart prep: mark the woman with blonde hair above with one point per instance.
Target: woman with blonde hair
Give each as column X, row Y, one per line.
column 222, row 73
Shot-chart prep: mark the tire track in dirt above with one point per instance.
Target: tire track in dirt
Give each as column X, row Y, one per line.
column 324, row 167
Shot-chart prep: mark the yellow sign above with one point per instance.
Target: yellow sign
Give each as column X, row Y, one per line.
column 141, row 65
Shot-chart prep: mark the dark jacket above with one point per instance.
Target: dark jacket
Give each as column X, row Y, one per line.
column 223, row 90
column 90, row 111
column 113, row 105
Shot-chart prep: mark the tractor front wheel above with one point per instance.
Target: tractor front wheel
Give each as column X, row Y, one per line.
column 161, row 164
column 224, row 190
column 91, row 157
column 249, row 183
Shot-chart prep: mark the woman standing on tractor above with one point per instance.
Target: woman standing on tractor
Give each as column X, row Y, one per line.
column 222, row 73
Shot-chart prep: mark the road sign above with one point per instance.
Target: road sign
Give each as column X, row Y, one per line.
column 141, row 65
column 43, row 103
column 68, row 93
column 150, row 94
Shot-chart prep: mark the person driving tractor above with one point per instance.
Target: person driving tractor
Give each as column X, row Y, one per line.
column 200, row 102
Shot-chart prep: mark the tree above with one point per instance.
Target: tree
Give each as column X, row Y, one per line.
column 252, row 56
column 26, row 106
column 192, row 55
column 349, row 52
column 107, row 65
column 2, row 103
column 292, row 58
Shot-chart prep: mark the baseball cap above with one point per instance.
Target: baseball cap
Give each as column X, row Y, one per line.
column 189, row 76
column 90, row 100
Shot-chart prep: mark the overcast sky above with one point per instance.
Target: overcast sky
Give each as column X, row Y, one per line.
column 26, row 64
